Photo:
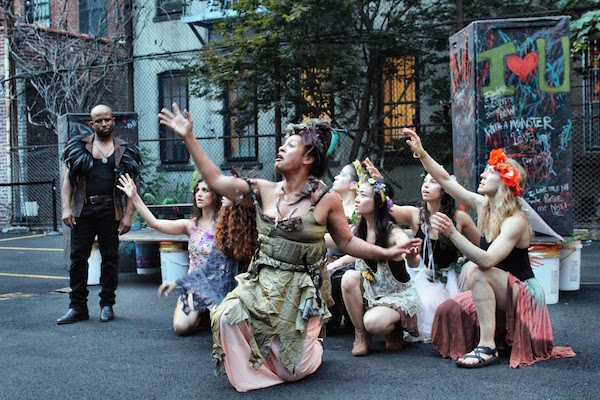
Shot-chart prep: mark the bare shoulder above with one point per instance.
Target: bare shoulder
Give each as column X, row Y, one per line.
column 518, row 224
column 331, row 199
column 397, row 235
column 462, row 217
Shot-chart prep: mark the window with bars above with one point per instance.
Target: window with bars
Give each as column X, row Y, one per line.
column 315, row 91
column 399, row 98
column 172, row 88
column 37, row 12
column 93, row 17
column 240, row 133
column 591, row 97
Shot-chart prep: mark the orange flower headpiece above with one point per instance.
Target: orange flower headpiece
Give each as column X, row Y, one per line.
column 509, row 174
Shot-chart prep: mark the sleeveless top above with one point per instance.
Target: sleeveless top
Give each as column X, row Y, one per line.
column 517, row 262
column 286, row 284
column 443, row 254
column 199, row 246
column 101, row 177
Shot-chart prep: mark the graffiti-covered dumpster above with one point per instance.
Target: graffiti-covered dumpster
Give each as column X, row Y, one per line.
column 511, row 90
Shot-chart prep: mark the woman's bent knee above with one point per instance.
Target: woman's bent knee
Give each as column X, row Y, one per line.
column 350, row 280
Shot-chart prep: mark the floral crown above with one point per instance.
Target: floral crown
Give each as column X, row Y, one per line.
column 509, row 174
column 379, row 188
column 308, row 131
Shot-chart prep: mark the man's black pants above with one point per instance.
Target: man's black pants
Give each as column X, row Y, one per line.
column 96, row 219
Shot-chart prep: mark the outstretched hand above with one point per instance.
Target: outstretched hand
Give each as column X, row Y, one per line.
column 372, row 169
column 127, row 185
column 443, row 224
column 414, row 142
column 181, row 124
column 407, row 247
column 166, row 288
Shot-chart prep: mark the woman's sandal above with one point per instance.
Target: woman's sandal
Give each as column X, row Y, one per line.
column 482, row 362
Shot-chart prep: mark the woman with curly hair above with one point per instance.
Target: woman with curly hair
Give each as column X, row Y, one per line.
column 266, row 331
column 201, row 231
column 379, row 294
column 437, row 280
column 504, row 296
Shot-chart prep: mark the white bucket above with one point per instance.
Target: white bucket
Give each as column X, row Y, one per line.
column 94, row 263
column 547, row 274
column 570, row 266
column 174, row 261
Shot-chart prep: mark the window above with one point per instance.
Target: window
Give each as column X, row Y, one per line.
column 316, row 93
column 37, row 12
column 92, row 17
column 168, row 7
column 172, row 88
column 241, row 130
column 591, row 97
column 399, row 99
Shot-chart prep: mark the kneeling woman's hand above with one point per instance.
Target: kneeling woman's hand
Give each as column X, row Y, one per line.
column 166, row 288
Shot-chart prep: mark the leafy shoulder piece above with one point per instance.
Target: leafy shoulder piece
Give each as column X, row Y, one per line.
column 77, row 158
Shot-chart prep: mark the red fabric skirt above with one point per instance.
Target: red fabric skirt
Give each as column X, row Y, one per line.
column 455, row 330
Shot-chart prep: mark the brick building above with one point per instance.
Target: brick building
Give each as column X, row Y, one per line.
column 61, row 56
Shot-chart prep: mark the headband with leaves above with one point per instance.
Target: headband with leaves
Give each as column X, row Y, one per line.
column 379, row 188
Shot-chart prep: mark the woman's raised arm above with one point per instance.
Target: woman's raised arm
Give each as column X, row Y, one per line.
column 441, row 176
column 182, row 125
column 170, row 227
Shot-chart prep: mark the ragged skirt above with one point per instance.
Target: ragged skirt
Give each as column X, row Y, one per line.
column 527, row 327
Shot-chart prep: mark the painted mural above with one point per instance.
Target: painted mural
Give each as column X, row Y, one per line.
column 511, row 89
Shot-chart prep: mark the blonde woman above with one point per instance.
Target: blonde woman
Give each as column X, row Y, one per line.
column 501, row 286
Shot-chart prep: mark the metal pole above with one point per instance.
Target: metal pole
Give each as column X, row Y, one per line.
column 55, row 223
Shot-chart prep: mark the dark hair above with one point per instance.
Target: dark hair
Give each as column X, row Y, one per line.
column 197, row 212
column 381, row 215
column 447, row 206
column 319, row 166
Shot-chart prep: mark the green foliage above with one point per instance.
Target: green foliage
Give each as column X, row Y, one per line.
column 310, row 56
column 156, row 189
column 585, row 28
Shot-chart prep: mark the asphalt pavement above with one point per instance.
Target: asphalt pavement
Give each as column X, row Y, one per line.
column 138, row 356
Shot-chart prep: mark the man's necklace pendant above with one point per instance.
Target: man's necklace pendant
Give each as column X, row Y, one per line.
column 104, row 160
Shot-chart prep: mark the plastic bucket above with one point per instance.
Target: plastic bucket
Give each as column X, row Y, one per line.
column 570, row 266
column 147, row 258
column 94, row 263
column 547, row 274
column 174, row 261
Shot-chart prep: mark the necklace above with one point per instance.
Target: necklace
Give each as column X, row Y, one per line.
column 429, row 249
column 104, row 156
column 278, row 202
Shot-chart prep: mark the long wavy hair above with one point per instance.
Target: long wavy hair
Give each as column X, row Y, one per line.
column 382, row 217
column 196, row 211
column 235, row 232
column 447, row 206
column 506, row 203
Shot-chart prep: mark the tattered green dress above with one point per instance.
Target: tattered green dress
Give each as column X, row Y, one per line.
column 287, row 284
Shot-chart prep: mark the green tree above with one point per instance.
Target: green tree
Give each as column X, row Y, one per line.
column 301, row 58
column 586, row 27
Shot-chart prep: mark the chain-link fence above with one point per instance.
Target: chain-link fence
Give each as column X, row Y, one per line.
column 158, row 81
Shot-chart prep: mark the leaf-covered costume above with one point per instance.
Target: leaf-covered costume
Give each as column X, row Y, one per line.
column 287, row 284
